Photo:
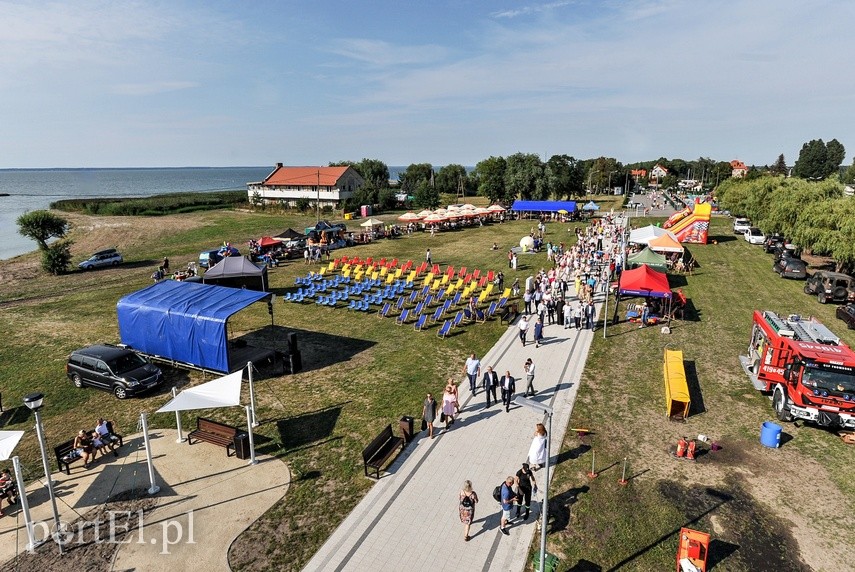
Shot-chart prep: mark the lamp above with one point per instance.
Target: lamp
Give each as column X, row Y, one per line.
column 546, row 410
column 34, row 402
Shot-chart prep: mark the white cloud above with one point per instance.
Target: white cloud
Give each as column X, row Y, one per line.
column 530, row 9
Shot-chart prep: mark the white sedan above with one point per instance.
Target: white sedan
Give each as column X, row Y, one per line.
column 754, row 236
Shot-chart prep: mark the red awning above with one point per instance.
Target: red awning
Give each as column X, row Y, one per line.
column 644, row 281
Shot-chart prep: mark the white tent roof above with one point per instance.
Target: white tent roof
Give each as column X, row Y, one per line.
column 221, row 392
column 648, row 233
column 8, row 442
column 372, row 222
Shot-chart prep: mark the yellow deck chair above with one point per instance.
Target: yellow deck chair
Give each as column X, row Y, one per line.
column 375, row 275
column 444, row 279
column 390, row 278
column 331, row 266
column 488, row 289
column 506, row 293
column 346, row 272
column 383, row 271
column 323, row 271
column 435, row 286
column 411, row 277
column 458, row 284
column 398, row 273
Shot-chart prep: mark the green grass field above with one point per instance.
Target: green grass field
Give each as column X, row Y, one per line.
column 362, row 373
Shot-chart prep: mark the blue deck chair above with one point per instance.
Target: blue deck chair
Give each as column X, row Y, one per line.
column 480, row 315
column 502, row 302
column 492, row 309
column 420, row 323
column 399, row 305
column 365, row 306
column 443, row 331
column 402, row 319
column 413, row 295
column 419, row 308
column 458, row 318
column 352, row 305
column 385, row 311
column 467, row 314
column 457, row 297
column 436, row 315
column 424, row 292
column 445, row 306
column 428, row 300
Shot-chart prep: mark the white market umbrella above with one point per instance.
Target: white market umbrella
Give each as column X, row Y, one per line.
column 409, row 217
column 425, row 213
column 221, row 392
column 435, row 218
column 496, row 209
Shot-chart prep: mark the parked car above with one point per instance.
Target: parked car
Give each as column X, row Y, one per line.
column 831, row 287
column 791, row 268
column 772, row 242
column 847, row 314
column 740, row 225
column 786, row 251
column 109, row 257
column 111, row 368
column 754, row 236
column 208, row 258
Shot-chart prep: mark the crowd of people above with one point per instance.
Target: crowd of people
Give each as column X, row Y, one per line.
column 103, row 438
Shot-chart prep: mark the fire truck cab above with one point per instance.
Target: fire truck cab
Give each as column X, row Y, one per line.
column 808, row 370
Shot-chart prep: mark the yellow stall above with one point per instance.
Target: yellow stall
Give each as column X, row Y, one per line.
column 677, row 399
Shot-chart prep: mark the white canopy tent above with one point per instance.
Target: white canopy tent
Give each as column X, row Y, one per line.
column 221, row 392
column 648, row 233
column 8, row 441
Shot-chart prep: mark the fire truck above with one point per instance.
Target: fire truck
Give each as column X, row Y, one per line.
column 808, row 370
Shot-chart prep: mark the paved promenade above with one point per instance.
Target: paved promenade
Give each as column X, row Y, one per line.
column 409, row 519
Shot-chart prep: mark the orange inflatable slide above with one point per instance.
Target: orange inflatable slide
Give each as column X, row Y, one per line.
column 691, row 224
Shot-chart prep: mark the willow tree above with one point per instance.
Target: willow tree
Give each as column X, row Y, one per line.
column 828, row 227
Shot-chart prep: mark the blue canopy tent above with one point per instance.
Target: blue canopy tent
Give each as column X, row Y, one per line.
column 544, row 206
column 186, row 323
column 591, row 206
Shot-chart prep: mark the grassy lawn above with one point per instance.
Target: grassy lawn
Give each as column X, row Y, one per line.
column 362, row 373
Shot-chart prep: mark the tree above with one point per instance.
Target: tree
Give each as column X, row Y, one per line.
column 818, row 160
column 491, row 178
column 780, row 166
column 414, row 175
column 849, row 175
column 374, row 171
column 386, row 199
column 524, row 177
column 56, row 257
column 41, row 226
column 564, row 178
column 604, row 170
column 426, row 196
column 451, row 178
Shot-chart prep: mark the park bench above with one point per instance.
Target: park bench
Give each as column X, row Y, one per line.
column 509, row 313
column 381, row 450
column 66, row 454
column 215, row 433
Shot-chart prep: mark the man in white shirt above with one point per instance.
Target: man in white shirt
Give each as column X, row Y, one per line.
column 523, row 326
column 473, row 370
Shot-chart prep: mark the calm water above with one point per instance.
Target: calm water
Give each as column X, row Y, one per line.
column 31, row 190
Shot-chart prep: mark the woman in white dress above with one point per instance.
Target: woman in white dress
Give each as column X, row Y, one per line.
column 537, row 451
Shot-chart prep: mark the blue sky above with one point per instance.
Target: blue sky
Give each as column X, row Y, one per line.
column 109, row 84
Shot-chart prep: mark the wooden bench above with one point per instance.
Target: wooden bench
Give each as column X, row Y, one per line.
column 65, row 455
column 215, row 433
column 509, row 313
column 381, row 450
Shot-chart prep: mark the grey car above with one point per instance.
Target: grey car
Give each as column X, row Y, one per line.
column 118, row 370
column 109, row 257
column 791, row 268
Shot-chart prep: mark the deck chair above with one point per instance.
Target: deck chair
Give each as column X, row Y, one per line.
column 436, row 315
column 402, row 319
column 443, row 331
column 480, row 315
column 467, row 314
column 385, row 311
column 449, row 272
column 458, row 318
column 445, row 306
column 502, row 301
column 399, row 305
column 435, row 269
column 420, row 323
column 419, row 307
column 457, row 298
column 462, row 272
column 428, row 300
column 476, row 274
column 506, row 293
column 491, row 275
column 492, row 309
column 411, row 277
column 435, row 285
column 482, row 282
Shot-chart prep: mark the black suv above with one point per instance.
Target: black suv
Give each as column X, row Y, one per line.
column 773, row 242
column 831, row 286
column 111, row 368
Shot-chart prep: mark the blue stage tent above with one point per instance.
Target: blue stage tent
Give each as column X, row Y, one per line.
column 183, row 321
column 544, row 206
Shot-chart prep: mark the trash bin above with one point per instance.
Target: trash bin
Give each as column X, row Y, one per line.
column 407, row 428
column 242, row 445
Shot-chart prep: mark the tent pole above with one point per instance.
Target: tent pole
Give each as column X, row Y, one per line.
column 252, row 460
column 253, row 421
column 25, row 505
column 180, row 438
column 154, row 489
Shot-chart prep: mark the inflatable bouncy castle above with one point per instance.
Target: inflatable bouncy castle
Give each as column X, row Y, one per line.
column 691, row 224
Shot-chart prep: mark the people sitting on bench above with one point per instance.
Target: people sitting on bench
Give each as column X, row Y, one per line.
column 8, row 489
column 84, row 446
column 106, row 437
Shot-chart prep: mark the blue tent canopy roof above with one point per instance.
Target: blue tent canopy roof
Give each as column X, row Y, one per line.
column 544, row 206
column 183, row 321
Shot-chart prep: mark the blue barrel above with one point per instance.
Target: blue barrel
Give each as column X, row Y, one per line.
column 770, row 434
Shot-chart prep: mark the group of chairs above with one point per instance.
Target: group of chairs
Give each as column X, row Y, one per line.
column 420, row 295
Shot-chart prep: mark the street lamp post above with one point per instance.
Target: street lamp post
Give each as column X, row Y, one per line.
column 546, row 410
column 34, row 402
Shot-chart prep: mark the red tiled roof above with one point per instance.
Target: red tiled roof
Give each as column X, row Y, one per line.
column 305, row 176
column 737, row 164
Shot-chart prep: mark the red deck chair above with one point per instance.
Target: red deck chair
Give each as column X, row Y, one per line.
column 482, row 282
column 450, row 272
column 476, row 274
column 462, row 272
column 382, row 261
column 369, row 261
column 491, row 275
column 435, row 269
column 467, row 279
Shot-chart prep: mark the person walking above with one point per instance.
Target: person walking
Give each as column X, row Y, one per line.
column 577, row 316
column 523, row 327
column 508, row 388
column 165, row 264
column 526, row 485
column 589, row 316
column 538, row 331
column 472, row 369
column 429, row 413
column 568, row 315
column 455, row 390
column 529, row 377
column 514, row 261
column 510, row 259
column 537, row 450
column 508, row 498
column 527, row 299
column 448, row 405
column 467, row 499
column 427, row 257
column 515, row 288
column 490, row 383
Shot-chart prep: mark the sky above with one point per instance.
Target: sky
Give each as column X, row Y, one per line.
column 225, row 83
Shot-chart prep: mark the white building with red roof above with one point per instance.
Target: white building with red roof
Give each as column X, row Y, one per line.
column 325, row 185
column 738, row 169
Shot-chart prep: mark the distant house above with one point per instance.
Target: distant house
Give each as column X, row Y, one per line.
column 658, row 172
column 327, row 185
column 738, row 169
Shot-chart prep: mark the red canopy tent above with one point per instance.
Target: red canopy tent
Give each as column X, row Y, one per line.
column 644, row 281
column 266, row 242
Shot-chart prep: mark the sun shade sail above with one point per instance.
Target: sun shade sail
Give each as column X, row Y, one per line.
column 221, row 392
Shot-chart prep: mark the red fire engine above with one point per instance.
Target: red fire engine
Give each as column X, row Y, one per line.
column 808, row 370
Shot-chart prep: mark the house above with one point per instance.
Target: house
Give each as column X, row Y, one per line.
column 739, row 169
column 658, row 172
column 328, row 186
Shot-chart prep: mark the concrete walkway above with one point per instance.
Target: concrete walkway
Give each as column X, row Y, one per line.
column 223, row 494
column 409, row 519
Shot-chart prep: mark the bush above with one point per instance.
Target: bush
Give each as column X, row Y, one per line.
column 56, row 257
column 157, row 205
column 303, row 204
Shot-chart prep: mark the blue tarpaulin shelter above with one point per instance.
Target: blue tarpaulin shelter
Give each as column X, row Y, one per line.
column 544, row 206
column 591, row 206
column 183, row 322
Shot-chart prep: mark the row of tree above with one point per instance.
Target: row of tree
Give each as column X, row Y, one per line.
column 526, row 176
column 815, row 215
